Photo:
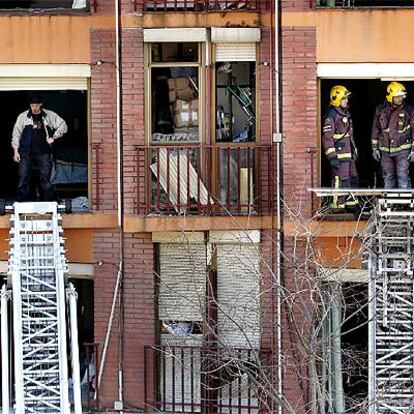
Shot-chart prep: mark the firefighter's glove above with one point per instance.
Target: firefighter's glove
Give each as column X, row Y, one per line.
column 410, row 157
column 376, row 155
column 334, row 162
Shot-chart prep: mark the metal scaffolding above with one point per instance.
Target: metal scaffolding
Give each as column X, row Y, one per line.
column 391, row 294
column 38, row 289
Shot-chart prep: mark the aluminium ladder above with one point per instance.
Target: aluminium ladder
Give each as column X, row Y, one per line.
column 391, row 296
column 39, row 292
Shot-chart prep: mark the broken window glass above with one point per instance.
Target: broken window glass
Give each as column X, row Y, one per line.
column 235, row 102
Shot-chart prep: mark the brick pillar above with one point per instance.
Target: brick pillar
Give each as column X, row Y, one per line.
column 103, row 114
column 299, row 115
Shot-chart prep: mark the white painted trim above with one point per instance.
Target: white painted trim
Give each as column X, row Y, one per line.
column 235, row 35
column 344, row 275
column 235, row 236
column 383, row 71
column 45, row 70
column 76, row 270
column 177, row 237
column 175, row 35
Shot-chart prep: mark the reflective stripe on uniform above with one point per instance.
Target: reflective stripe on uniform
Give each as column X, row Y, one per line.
column 396, row 149
column 335, row 197
column 374, row 142
column 344, row 155
column 340, row 136
column 351, row 202
column 329, row 151
column 386, row 130
column 404, row 129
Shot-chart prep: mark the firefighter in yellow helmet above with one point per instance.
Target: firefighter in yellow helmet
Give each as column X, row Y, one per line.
column 392, row 137
column 339, row 146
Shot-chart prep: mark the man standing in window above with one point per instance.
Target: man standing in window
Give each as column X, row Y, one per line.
column 340, row 148
column 392, row 137
column 34, row 132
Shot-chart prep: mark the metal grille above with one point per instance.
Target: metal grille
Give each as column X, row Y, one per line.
column 391, row 290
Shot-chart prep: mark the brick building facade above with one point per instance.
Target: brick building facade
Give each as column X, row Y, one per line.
column 200, row 211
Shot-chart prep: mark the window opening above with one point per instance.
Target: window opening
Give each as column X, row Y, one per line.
column 366, row 95
column 344, row 361
column 70, row 152
column 235, row 102
column 175, row 91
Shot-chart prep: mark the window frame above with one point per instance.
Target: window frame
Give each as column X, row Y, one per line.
column 149, row 65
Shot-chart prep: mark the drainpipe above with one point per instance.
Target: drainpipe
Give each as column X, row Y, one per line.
column 277, row 139
column 120, row 186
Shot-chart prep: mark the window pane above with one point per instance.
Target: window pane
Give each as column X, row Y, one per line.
column 236, row 106
column 174, row 52
column 175, row 104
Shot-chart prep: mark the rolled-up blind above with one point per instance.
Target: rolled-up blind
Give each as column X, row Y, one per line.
column 235, row 52
column 182, row 281
column 238, row 293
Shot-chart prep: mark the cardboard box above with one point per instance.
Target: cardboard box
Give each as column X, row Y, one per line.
column 185, row 113
column 179, row 88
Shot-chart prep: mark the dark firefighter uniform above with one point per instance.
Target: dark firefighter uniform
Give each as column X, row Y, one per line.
column 340, row 149
column 392, row 136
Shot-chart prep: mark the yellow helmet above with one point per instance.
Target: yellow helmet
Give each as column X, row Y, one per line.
column 338, row 93
column 395, row 89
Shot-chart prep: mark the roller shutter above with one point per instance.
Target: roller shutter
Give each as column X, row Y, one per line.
column 182, row 284
column 49, row 84
column 238, row 293
column 235, row 52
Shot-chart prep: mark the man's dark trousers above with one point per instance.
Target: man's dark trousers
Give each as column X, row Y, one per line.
column 43, row 164
column 396, row 170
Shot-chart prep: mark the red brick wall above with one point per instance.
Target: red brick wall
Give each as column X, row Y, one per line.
column 297, row 321
column 133, row 114
column 106, row 250
column 103, row 121
column 139, row 322
column 299, row 115
column 139, row 314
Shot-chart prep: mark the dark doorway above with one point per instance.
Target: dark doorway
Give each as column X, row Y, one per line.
column 366, row 95
column 70, row 152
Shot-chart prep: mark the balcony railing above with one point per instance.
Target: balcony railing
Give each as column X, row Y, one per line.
column 213, row 180
column 49, row 5
column 208, row 380
column 201, row 5
column 365, row 3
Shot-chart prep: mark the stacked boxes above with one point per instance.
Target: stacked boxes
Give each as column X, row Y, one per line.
column 179, row 88
column 185, row 113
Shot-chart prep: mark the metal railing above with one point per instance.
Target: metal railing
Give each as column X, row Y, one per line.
column 205, row 179
column 201, row 5
column 74, row 5
column 365, row 3
column 207, row 380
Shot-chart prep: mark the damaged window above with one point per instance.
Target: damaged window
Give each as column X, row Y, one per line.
column 175, row 84
column 235, row 102
column 44, row 4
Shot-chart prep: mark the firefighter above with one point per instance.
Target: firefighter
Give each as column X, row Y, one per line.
column 392, row 137
column 340, row 148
